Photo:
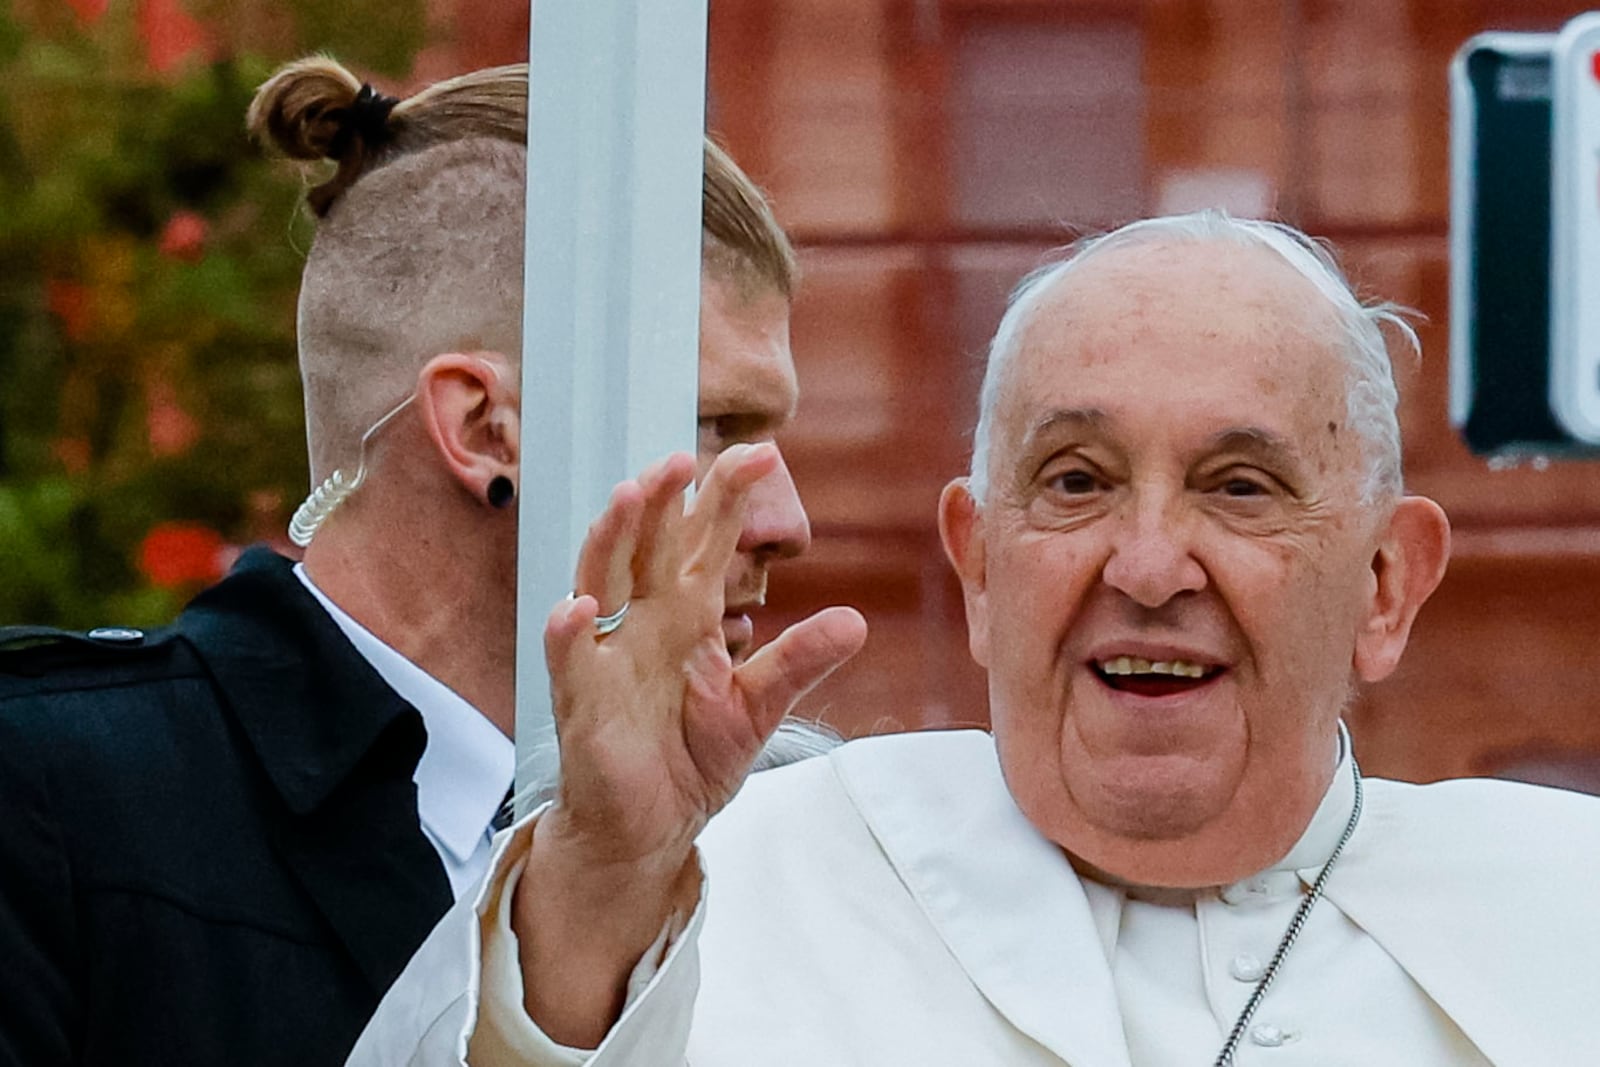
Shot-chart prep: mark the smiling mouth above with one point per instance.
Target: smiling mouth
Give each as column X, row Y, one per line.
column 1142, row 677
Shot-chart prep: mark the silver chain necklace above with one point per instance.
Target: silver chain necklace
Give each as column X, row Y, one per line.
column 1296, row 924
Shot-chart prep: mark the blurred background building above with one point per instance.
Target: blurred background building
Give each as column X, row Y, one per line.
column 924, row 153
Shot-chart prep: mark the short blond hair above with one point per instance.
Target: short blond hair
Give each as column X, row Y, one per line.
column 742, row 237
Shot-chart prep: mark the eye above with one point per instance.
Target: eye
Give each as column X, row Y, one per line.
column 1241, row 484
column 1242, row 487
column 1075, row 482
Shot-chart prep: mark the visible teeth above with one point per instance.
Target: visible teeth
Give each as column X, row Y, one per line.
column 1124, row 665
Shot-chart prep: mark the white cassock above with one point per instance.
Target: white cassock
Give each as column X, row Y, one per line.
column 889, row 904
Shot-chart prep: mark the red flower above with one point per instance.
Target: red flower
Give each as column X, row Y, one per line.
column 170, row 34
column 88, row 11
column 173, row 431
column 72, row 303
column 185, row 237
column 182, row 553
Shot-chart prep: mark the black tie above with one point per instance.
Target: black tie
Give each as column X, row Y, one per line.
column 504, row 816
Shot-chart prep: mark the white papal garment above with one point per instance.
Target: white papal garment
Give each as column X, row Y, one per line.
column 889, row 904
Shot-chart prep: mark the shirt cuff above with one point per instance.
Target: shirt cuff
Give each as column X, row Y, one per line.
column 657, row 1009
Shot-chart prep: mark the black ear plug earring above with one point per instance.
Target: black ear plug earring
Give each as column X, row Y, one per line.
column 501, row 491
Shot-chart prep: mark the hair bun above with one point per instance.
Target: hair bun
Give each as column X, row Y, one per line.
column 316, row 109
column 302, row 108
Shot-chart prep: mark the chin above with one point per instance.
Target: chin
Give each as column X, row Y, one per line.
column 1173, row 839
column 1160, row 799
column 1169, row 822
column 1154, row 818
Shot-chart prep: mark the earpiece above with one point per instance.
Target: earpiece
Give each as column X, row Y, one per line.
column 316, row 508
column 311, row 514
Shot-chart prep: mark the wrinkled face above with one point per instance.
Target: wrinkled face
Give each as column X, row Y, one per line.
column 748, row 393
column 1175, row 562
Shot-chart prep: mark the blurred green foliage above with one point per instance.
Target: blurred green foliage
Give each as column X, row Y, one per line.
column 149, row 261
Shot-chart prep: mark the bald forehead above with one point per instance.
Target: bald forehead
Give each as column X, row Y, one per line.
column 1219, row 340
column 1217, row 278
column 1217, row 294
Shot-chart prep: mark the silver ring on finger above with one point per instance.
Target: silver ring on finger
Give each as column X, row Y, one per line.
column 605, row 624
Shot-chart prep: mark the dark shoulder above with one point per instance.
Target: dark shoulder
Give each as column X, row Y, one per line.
column 36, row 661
column 112, row 713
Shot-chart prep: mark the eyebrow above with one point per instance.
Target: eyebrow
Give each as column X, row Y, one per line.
column 1255, row 440
column 1252, row 441
column 1263, row 444
column 1092, row 419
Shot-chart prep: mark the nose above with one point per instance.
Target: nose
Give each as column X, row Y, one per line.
column 775, row 522
column 1152, row 554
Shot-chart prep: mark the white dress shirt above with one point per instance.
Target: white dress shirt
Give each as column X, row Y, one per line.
column 467, row 766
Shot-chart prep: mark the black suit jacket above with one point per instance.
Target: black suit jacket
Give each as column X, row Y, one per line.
column 209, row 844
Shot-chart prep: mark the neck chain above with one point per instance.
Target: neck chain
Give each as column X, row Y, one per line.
column 1296, row 924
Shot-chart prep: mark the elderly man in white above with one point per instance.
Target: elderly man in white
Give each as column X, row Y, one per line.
column 1183, row 542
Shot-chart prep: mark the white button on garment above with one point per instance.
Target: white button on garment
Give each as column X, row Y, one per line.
column 1262, row 889
column 1268, row 1036
column 1250, row 891
column 1246, row 968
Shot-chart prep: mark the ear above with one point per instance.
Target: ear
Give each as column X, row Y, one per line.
column 470, row 407
column 1406, row 569
column 961, row 529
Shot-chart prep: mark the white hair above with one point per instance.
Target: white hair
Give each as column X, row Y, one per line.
column 1370, row 394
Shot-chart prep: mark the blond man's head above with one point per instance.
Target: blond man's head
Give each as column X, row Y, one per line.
column 419, row 242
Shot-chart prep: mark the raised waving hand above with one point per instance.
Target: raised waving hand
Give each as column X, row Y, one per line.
column 658, row 729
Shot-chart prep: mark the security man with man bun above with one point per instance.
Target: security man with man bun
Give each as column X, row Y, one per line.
column 222, row 841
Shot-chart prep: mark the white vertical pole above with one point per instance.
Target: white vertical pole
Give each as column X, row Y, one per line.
column 610, row 338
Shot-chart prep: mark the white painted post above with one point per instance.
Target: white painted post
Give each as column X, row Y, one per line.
column 616, row 117
column 1575, row 229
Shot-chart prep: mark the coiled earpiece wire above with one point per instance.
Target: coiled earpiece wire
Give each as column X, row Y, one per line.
column 316, row 508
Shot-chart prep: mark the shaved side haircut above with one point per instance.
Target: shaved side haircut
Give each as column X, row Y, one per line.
column 419, row 242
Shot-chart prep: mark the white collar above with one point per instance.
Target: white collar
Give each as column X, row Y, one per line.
column 468, row 763
column 1327, row 825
